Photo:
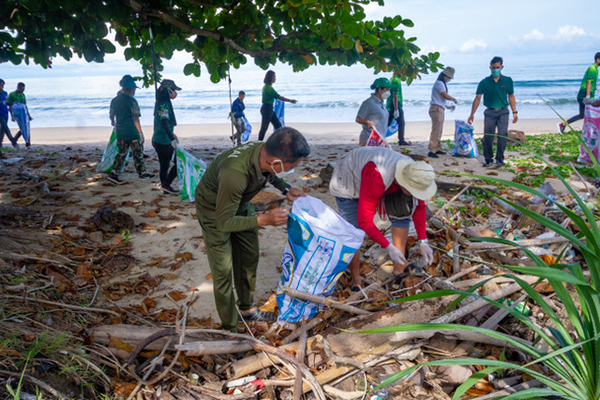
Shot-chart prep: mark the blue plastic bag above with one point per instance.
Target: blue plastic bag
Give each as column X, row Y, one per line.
column 464, row 142
column 248, row 131
column 279, row 111
column 320, row 246
column 392, row 129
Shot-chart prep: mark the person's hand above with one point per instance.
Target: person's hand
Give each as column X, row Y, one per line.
column 370, row 124
column 12, row 117
column 470, row 120
column 587, row 100
column 426, row 252
column 30, row 118
column 293, row 101
column 396, row 114
column 451, row 107
column 515, row 118
column 174, row 143
column 275, row 217
column 294, row 193
column 395, row 254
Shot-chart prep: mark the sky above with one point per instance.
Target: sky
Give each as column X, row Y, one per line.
column 463, row 31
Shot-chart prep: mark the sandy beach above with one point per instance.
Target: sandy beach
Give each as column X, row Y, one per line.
column 172, row 227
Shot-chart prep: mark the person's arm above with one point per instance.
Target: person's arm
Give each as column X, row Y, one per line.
column 29, row 115
column 474, row 107
column 363, row 113
column 12, row 116
column 370, row 194
column 288, row 100
column 513, row 107
column 448, row 97
column 588, row 88
column 163, row 114
column 420, row 220
column 165, row 125
column 136, row 122
column 363, row 121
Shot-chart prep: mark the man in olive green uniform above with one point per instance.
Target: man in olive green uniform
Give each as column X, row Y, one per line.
column 229, row 223
column 498, row 93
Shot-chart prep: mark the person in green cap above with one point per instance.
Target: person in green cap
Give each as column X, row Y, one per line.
column 586, row 92
column 229, row 223
column 164, row 140
column 372, row 113
column 394, row 107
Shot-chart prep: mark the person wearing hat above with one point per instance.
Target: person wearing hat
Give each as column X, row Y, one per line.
column 164, row 140
column 437, row 108
column 372, row 113
column 126, row 117
column 377, row 179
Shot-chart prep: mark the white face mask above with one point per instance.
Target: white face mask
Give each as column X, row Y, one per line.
column 385, row 95
column 283, row 171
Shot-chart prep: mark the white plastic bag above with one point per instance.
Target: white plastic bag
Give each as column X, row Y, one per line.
column 464, row 143
column 109, row 155
column 320, row 246
column 189, row 171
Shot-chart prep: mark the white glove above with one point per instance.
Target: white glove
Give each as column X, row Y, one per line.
column 426, row 252
column 587, row 100
column 395, row 254
column 397, row 114
column 451, row 107
column 175, row 143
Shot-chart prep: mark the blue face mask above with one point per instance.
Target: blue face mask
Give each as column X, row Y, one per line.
column 496, row 72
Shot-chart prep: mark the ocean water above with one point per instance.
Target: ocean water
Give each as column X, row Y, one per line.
column 324, row 94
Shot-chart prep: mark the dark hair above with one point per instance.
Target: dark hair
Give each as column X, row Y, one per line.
column 20, row 84
column 163, row 94
column 241, row 93
column 441, row 77
column 269, row 77
column 597, row 56
column 287, row 144
column 497, row 59
column 2, row 81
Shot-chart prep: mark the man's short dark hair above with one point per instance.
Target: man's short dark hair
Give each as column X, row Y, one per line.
column 597, row 56
column 2, row 81
column 20, row 84
column 496, row 59
column 241, row 93
column 287, row 144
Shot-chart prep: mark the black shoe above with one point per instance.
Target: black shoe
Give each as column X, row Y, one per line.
column 487, row 164
column 169, row 190
column 440, row 152
column 403, row 143
column 500, row 163
column 432, row 155
column 147, row 176
column 355, row 289
column 561, row 127
column 258, row 315
column 114, row 178
column 146, row 155
column 28, row 144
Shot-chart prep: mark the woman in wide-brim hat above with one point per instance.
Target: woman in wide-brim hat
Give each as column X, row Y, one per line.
column 373, row 113
column 437, row 109
column 372, row 179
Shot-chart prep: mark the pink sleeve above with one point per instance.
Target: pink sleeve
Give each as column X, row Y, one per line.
column 420, row 220
column 371, row 192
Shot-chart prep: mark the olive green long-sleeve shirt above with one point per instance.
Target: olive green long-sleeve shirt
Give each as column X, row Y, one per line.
column 228, row 185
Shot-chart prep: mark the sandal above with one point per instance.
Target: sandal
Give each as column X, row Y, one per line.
column 258, row 315
column 355, row 288
column 411, row 269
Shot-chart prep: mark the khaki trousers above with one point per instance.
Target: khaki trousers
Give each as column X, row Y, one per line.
column 436, row 113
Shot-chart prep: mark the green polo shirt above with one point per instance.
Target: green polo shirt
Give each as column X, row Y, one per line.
column 164, row 112
column 396, row 89
column 16, row 97
column 269, row 95
column 590, row 75
column 495, row 94
column 230, row 181
column 125, row 108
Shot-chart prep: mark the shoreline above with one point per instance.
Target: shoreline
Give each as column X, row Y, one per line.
column 322, row 132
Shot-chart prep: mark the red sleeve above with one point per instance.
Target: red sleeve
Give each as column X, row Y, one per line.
column 371, row 192
column 420, row 220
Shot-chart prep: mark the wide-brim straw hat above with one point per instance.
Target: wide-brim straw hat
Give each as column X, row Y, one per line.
column 417, row 177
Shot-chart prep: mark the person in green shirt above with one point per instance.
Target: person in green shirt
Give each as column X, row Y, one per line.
column 126, row 113
column 394, row 107
column 498, row 92
column 269, row 95
column 229, row 223
column 19, row 112
column 586, row 92
column 164, row 140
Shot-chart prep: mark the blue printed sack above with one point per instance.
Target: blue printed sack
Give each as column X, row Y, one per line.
column 320, row 246
column 248, row 131
column 279, row 111
column 464, row 142
column 392, row 129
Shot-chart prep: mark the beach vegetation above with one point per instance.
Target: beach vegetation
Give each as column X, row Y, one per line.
column 217, row 35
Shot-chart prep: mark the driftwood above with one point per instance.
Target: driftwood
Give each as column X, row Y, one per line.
column 300, row 356
column 479, row 246
column 326, row 301
column 459, row 335
column 214, row 347
column 499, row 279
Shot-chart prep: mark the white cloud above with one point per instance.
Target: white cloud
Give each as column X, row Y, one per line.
column 534, row 35
column 426, row 49
column 569, row 32
column 472, row 45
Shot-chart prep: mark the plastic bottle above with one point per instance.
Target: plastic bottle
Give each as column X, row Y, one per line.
column 520, row 308
column 381, row 394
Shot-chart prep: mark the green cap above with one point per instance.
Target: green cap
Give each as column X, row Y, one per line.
column 381, row 83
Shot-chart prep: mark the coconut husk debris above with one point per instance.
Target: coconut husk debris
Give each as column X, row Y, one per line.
column 63, row 284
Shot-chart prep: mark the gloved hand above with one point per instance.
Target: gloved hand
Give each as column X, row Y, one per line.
column 396, row 114
column 293, row 101
column 174, row 143
column 426, row 252
column 451, row 107
column 395, row 254
column 587, row 100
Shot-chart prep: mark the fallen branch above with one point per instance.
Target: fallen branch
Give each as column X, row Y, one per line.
column 445, row 206
column 36, row 382
column 326, row 301
column 300, row 356
column 525, row 243
column 54, row 303
column 458, row 335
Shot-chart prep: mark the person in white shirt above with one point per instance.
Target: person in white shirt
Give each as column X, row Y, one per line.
column 439, row 95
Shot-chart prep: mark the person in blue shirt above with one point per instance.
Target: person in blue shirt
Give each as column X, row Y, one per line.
column 237, row 117
column 4, row 130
